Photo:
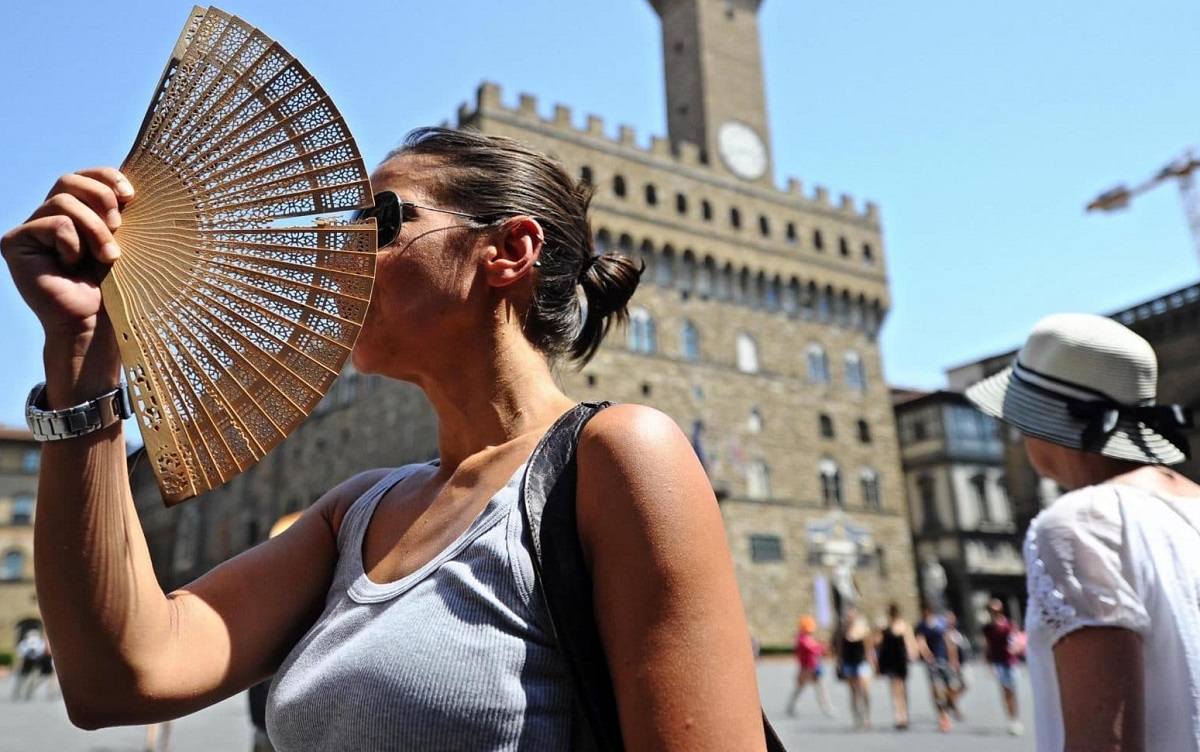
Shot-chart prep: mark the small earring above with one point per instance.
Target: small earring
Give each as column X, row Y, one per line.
column 537, row 264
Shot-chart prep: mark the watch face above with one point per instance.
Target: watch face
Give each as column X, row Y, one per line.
column 742, row 150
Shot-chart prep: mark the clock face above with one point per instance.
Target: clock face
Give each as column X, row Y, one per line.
column 742, row 150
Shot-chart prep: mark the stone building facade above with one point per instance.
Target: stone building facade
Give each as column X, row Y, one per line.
column 19, row 458
column 754, row 328
column 965, row 534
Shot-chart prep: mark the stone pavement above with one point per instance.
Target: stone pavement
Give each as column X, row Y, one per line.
column 984, row 728
column 41, row 725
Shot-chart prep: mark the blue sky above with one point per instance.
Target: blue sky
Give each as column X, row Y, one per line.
column 980, row 129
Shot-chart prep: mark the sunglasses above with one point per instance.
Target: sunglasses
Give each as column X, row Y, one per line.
column 388, row 213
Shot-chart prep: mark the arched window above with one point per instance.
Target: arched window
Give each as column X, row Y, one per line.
column 664, row 270
column 686, row 279
column 864, row 432
column 764, row 226
column 649, row 260
column 22, row 510
column 843, row 248
column 625, row 244
column 13, row 567
column 725, row 282
column 706, row 277
column 856, row 377
column 856, row 313
column 870, row 489
column 868, row 254
column 758, row 480
column 735, row 219
column 741, row 287
column 818, row 241
column 792, row 237
column 825, row 426
column 818, row 364
column 747, row 353
column 706, row 210
column 841, row 310
column 771, row 296
column 831, row 483
column 619, row 186
column 690, row 337
column 825, row 305
column 681, row 203
column 808, row 302
column 790, row 300
column 585, row 175
column 872, row 319
column 642, row 337
column 754, row 421
column 758, row 291
column 651, row 195
column 603, row 241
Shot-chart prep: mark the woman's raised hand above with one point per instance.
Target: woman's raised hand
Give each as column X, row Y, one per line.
column 57, row 259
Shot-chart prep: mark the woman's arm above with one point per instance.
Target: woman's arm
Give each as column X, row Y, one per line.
column 666, row 599
column 910, row 644
column 1100, row 685
column 125, row 652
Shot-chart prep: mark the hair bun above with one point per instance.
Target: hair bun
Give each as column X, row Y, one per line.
column 608, row 281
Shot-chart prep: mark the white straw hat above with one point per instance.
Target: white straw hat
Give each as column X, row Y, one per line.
column 1087, row 382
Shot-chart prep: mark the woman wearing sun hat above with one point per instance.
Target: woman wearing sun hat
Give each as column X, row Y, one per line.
column 1114, row 565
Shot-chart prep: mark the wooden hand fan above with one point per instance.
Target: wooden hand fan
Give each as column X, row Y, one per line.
column 232, row 325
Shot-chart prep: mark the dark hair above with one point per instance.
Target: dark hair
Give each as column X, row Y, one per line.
column 494, row 178
column 893, row 609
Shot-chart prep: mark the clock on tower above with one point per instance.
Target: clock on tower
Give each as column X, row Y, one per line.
column 743, row 152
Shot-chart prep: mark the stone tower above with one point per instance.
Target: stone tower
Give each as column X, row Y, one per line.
column 712, row 58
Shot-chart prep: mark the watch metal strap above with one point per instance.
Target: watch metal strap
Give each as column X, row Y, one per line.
column 52, row 425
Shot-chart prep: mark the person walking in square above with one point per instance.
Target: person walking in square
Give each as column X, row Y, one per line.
column 897, row 648
column 1113, row 620
column 1000, row 651
column 941, row 659
column 809, row 654
column 854, row 646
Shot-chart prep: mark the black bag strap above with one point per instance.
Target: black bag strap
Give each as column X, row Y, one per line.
column 548, row 507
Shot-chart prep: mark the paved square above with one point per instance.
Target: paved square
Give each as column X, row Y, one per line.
column 41, row 724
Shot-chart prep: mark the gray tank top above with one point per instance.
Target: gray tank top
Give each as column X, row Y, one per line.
column 458, row 655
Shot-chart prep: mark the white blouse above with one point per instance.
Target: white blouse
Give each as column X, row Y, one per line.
column 1114, row 555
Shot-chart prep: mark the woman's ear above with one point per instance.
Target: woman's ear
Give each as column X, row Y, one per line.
column 515, row 252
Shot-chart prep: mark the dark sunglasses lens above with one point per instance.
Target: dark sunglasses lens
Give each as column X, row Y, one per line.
column 387, row 215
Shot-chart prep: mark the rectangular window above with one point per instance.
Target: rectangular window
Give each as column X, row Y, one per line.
column 929, row 510
column 22, row 510
column 31, row 460
column 766, row 548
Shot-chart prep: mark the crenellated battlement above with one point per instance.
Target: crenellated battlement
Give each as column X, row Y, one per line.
column 489, row 101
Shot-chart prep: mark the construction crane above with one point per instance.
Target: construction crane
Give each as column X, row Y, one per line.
column 1183, row 170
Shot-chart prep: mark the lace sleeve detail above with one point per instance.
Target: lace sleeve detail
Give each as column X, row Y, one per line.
column 1052, row 608
column 1078, row 569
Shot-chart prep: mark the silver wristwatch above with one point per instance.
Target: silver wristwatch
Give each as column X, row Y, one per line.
column 52, row 425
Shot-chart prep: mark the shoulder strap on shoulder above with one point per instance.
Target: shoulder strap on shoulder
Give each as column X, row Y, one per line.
column 548, row 506
column 548, row 503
